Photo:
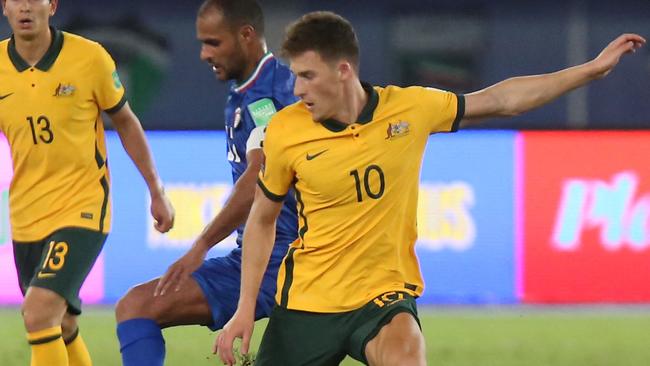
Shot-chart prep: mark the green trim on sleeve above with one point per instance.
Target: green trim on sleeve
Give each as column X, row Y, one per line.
column 270, row 195
column 460, row 112
column 118, row 106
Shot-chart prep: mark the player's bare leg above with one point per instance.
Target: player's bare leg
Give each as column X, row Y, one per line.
column 183, row 307
column 140, row 317
column 42, row 309
column 43, row 312
column 69, row 326
column 399, row 342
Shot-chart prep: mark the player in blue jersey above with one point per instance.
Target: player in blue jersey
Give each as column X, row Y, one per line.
column 195, row 290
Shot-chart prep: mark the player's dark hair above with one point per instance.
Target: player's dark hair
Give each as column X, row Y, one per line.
column 237, row 13
column 327, row 33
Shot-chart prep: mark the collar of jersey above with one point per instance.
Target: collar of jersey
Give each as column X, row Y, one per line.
column 48, row 58
column 251, row 80
column 366, row 113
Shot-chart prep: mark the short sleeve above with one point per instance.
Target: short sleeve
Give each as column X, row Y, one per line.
column 108, row 88
column 256, row 139
column 276, row 175
column 442, row 110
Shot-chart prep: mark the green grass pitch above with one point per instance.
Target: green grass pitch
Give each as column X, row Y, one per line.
column 456, row 336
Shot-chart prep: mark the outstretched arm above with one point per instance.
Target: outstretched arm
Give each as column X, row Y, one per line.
column 133, row 139
column 517, row 95
column 258, row 244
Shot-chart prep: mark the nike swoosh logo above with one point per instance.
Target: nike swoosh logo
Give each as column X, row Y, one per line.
column 4, row 96
column 311, row 157
column 45, row 275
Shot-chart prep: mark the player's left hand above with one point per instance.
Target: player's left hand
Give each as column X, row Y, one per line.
column 178, row 273
column 610, row 56
column 239, row 326
column 162, row 212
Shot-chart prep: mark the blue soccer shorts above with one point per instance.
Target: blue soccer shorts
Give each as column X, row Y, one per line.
column 219, row 279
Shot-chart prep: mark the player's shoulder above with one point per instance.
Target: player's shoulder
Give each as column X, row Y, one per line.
column 394, row 90
column 282, row 71
column 393, row 93
column 283, row 84
column 293, row 113
column 288, row 126
column 275, row 78
column 79, row 44
column 292, row 117
column 272, row 91
column 77, row 40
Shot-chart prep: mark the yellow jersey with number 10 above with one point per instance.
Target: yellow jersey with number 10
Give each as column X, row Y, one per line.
column 51, row 116
column 357, row 192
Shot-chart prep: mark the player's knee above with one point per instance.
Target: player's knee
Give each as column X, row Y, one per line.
column 400, row 342
column 404, row 353
column 34, row 320
column 42, row 310
column 38, row 317
column 133, row 305
column 139, row 302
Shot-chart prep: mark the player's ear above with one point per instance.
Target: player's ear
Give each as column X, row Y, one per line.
column 53, row 5
column 247, row 32
column 345, row 69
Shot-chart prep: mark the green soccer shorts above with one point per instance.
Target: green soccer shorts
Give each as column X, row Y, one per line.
column 60, row 262
column 299, row 338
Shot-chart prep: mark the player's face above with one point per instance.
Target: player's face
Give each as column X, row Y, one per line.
column 220, row 46
column 29, row 18
column 318, row 85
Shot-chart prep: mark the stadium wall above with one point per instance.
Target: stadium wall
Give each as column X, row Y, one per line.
column 504, row 216
column 407, row 42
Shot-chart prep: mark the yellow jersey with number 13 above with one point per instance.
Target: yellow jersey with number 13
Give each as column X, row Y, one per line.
column 51, row 116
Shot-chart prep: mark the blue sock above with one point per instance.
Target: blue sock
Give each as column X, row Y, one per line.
column 141, row 343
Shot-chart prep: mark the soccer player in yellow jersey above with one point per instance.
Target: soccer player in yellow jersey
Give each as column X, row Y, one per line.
column 353, row 153
column 54, row 87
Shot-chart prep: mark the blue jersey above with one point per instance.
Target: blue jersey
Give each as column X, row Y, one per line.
column 252, row 104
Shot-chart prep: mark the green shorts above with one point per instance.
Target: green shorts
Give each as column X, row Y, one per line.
column 60, row 262
column 297, row 338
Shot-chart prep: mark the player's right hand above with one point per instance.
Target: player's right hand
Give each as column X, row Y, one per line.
column 162, row 212
column 610, row 56
column 179, row 272
column 239, row 326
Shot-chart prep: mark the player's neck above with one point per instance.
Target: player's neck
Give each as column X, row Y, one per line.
column 33, row 50
column 354, row 100
column 256, row 57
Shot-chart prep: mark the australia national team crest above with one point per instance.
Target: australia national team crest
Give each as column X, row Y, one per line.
column 397, row 129
column 64, row 90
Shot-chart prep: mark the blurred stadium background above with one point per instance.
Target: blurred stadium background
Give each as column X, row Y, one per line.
column 462, row 45
column 546, row 211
